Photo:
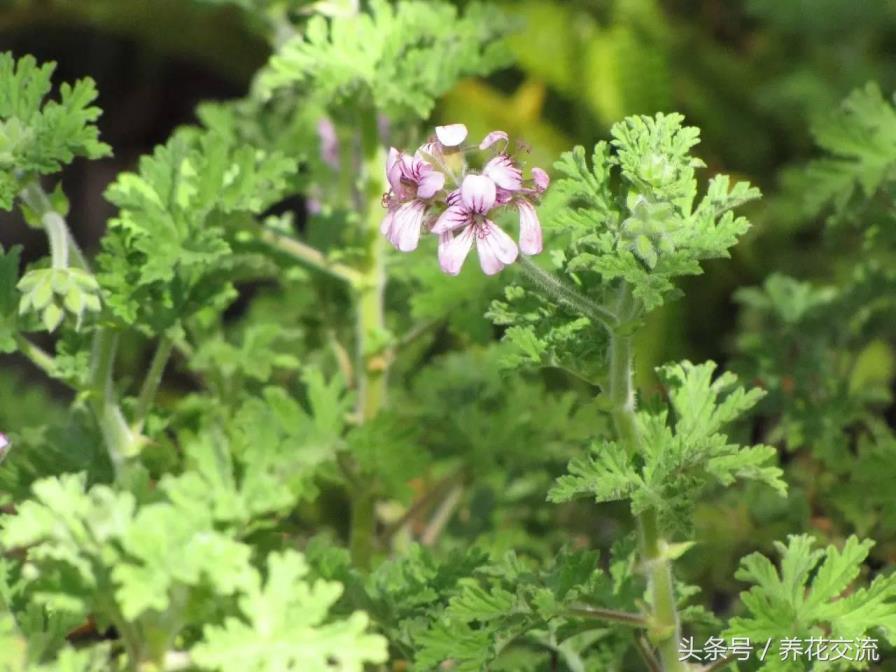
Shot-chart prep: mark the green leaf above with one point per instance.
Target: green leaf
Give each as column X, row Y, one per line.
column 401, row 58
column 812, row 594
column 38, row 137
column 286, row 625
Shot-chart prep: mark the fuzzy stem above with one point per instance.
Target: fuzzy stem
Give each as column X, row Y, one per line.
column 38, row 356
column 117, row 436
column 310, row 256
column 370, row 328
column 665, row 628
column 152, row 381
column 597, row 613
column 561, row 292
column 119, row 440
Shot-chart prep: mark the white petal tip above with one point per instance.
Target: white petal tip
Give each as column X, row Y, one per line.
column 451, row 135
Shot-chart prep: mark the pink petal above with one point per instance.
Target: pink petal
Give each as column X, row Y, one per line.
column 530, row 229
column 496, row 249
column 453, row 197
column 451, row 135
column 542, row 180
column 478, row 193
column 406, row 223
column 492, row 138
column 453, row 251
column 454, row 217
column 393, row 168
column 430, row 183
column 504, row 173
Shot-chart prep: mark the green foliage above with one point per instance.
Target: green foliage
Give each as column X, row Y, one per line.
column 685, row 449
column 398, row 58
column 37, row 137
column 166, row 254
column 286, row 627
column 9, row 273
column 812, row 594
column 52, row 292
column 647, row 230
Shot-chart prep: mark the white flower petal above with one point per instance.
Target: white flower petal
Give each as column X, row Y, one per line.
column 430, row 183
column 451, row 135
column 530, row 229
column 453, row 251
column 406, row 223
column 496, row 249
column 453, row 218
column 386, row 224
column 504, row 173
column 478, row 193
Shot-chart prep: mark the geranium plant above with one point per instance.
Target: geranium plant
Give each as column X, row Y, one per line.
column 378, row 456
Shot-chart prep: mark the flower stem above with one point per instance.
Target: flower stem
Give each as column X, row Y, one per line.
column 561, row 292
column 311, row 256
column 370, row 328
column 119, row 440
column 117, row 435
column 664, row 629
column 597, row 613
column 38, row 356
column 152, row 381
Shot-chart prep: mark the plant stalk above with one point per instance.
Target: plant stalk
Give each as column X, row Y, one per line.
column 664, row 627
column 370, row 328
column 152, row 381
column 117, row 435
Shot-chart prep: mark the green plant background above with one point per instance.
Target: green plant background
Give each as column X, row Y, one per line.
column 754, row 75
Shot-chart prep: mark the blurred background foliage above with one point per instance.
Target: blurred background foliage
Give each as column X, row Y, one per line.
column 754, row 75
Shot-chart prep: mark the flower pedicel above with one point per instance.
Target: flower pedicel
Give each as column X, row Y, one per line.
column 435, row 190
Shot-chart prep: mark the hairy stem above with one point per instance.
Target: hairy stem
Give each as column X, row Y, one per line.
column 612, row 615
column 38, row 356
column 370, row 328
column 310, row 256
column 117, row 435
column 664, row 629
column 563, row 293
column 119, row 440
column 152, row 381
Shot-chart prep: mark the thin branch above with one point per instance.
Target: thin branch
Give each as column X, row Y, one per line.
column 38, row 356
column 152, row 381
column 311, row 256
column 423, row 503
column 441, row 517
column 600, row 614
column 562, row 292
column 647, row 654
column 720, row 664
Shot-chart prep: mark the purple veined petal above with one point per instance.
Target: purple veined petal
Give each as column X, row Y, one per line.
column 542, row 179
column 496, row 249
column 503, row 197
column 492, row 138
column 430, row 182
column 453, row 251
column 453, row 197
column 393, row 169
column 478, row 193
column 453, row 218
column 406, row 223
column 504, row 173
column 530, row 229
column 451, row 135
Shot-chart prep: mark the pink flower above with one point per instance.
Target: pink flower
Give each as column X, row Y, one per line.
column 469, row 212
column 4, row 446
column 492, row 138
column 541, row 180
column 504, row 172
column 413, row 182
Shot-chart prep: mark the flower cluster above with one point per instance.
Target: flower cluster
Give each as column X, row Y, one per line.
column 435, row 190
